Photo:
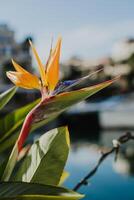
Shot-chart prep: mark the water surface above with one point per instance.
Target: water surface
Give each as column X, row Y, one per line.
column 111, row 182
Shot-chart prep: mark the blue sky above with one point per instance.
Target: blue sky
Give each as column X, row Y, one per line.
column 88, row 27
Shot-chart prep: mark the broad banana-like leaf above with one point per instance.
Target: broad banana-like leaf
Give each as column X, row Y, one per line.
column 30, row 191
column 6, row 96
column 46, row 159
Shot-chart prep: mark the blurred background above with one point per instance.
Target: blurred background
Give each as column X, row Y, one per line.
column 96, row 34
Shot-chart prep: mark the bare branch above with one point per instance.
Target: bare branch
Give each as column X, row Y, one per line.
column 115, row 149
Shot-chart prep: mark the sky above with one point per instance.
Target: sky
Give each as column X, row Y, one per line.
column 89, row 28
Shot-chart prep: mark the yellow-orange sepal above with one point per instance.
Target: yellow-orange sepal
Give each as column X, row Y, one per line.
column 52, row 72
column 24, row 80
column 18, row 67
column 40, row 65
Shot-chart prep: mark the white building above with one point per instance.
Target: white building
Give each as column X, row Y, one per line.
column 123, row 50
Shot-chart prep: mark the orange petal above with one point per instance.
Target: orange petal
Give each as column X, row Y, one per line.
column 40, row 65
column 50, row 54
column 53, row 67
column 18, row 67
column 24, row 80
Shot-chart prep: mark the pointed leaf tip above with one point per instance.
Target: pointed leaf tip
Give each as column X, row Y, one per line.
column 6, row 96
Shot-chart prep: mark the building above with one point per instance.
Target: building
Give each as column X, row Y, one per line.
column 7, row 43
column 123, row 49
column 10, row 48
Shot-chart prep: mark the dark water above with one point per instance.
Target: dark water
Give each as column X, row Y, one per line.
column 112, row 181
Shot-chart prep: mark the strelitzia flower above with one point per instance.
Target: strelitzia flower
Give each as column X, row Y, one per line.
column 49, row 73
column 48, row 83
column 55, row 96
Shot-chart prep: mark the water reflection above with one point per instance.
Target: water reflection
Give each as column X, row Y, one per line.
column 112, row 181
column 125, row 162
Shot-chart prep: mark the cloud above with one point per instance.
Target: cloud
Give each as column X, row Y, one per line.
column 90, row 41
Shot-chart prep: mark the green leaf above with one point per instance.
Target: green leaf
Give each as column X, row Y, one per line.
column 3, row 163
column 6, row 96
column 30, row 191
column 46, row 159
column 11, row 124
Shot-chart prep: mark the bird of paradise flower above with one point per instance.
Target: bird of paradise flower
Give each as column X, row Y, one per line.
column 55, row 97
